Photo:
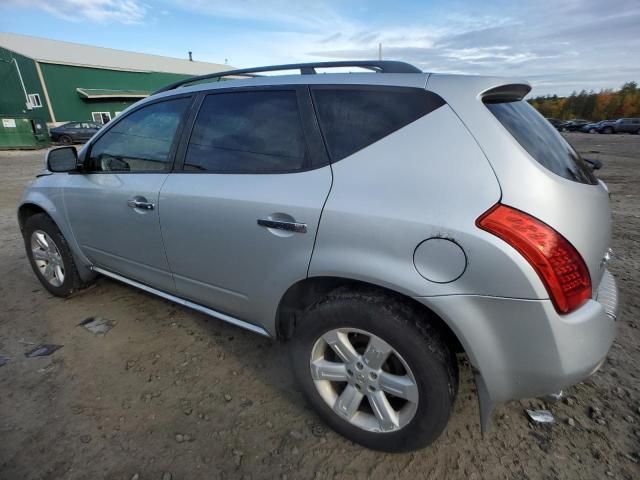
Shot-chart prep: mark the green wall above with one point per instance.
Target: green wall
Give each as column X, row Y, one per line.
column 62, row 81
column 12, row 101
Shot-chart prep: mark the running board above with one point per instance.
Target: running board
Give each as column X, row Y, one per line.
column 186, row 303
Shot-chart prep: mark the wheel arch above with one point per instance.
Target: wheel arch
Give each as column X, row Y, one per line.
column 27, row 210
column 306, row 292
column 36, row 203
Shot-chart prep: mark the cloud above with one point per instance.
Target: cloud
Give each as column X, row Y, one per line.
column 287, row 15
column 100, row 11
column 558, row 47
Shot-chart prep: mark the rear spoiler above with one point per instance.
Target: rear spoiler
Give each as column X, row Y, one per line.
column 506, row 93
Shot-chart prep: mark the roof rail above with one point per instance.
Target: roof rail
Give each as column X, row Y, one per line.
column 380, row 66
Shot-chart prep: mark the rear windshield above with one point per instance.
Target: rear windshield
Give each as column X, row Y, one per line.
column 541, row 140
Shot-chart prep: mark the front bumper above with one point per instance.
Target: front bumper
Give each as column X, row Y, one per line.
column 524, row 348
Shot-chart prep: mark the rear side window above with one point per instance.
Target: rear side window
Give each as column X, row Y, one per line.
column 247, row 132
column 541, row 140
column 352, row 118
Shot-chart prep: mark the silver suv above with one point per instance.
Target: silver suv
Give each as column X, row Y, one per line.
column 380, row 223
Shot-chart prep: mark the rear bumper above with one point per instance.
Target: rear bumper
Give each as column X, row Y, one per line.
column 524, row 348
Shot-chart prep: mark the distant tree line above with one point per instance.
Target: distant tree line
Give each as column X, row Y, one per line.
column 604, row 105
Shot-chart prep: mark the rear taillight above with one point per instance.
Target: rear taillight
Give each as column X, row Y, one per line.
column 557, row 262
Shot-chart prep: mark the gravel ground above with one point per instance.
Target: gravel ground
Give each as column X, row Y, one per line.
column 170, row 393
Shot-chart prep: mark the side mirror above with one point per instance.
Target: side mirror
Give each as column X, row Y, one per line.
column 594, row 164
column 62, row 159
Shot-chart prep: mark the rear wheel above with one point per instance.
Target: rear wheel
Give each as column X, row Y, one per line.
column 375, row 370
column 50, row 256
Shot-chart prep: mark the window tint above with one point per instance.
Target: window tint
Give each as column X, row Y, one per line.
column 141, row 141
column 353, row 118
column 247, row 132
column 542, row 142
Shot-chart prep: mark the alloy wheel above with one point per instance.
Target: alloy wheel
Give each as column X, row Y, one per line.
column 47, row 258
column 364, row 380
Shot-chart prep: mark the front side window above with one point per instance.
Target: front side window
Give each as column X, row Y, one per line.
column 247, row 132
column 353, row 118
column 140, row 142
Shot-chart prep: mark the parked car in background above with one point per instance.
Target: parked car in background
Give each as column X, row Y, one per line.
column 575, row 124
column 627, row 125
column 557, row 123
column 603, row 126
column 377, row 223
column 74, row 132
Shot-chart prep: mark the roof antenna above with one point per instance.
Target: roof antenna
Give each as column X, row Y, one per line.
column 190, row 57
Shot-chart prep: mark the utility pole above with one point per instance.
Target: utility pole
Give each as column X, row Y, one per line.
column 380, row 51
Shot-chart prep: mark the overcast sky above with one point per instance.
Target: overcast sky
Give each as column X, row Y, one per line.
column 559, row 45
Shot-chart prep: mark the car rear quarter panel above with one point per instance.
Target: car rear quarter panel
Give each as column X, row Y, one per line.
column 429, row 179
column 579, row 212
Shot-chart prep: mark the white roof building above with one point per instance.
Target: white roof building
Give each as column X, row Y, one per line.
column 45, row 50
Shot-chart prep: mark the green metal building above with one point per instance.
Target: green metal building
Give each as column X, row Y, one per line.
column 53, row 82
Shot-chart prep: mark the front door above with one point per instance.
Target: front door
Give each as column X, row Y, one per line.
column 113, row 205
column 239, row 222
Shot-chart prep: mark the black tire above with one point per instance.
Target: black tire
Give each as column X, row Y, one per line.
column 404, row 327
column 65, row 140
column 72, row 281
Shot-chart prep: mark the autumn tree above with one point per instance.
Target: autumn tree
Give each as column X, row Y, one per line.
column 606, row 104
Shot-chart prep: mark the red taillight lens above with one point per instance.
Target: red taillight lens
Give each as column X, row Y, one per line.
column 557, row 262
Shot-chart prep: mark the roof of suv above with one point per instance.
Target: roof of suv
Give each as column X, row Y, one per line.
column 381, row 66
column 390, row 73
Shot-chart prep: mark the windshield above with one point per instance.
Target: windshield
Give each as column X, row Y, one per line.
column 541, row 140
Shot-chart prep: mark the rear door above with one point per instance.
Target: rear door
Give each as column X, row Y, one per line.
column 239, row 219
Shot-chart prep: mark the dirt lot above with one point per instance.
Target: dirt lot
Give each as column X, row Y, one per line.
column 170, row 393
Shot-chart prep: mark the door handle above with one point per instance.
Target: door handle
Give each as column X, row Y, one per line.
column 279, row 225
column 141, row 203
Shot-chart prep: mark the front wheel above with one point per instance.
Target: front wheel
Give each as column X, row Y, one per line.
column 50, row 256
column 375, row 370
column 607, row 130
